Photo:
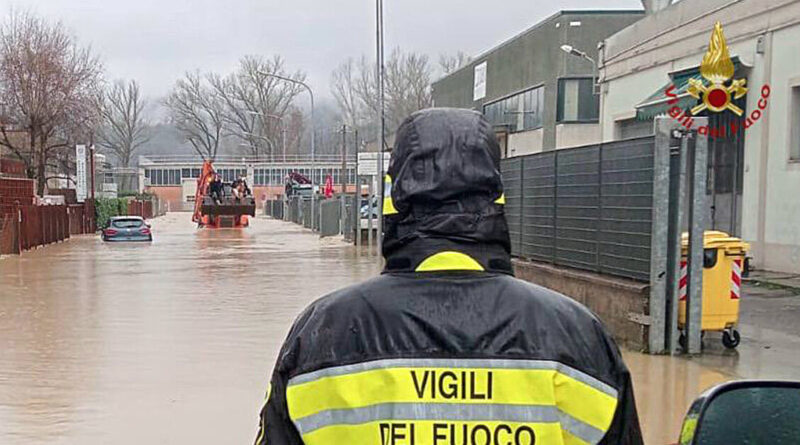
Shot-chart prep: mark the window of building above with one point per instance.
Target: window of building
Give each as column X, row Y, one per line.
column 162, row 176
column 520, row 112
column 231, row 174
column 190, row 173
column 260, row 176
column 577, row 101
column 794, row 148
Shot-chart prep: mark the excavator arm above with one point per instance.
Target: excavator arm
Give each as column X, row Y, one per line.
column 202, row 189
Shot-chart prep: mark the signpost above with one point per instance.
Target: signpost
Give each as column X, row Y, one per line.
column 368, row 166
column 368, row 163
column 80, row 172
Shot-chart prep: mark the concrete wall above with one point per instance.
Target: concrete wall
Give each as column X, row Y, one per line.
column 766, row 36
column 621, row 304
column 576, row 135
column 525, row 143
column 534, row 58
column 777, row 235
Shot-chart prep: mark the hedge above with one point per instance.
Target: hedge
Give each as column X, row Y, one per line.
column 106, row 208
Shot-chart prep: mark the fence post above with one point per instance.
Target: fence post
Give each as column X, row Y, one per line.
column 678, row 193
column 18, row 226
column 659, row 235
column 697, row 225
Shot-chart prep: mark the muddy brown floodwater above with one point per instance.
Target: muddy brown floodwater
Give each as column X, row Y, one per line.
column 172, row 343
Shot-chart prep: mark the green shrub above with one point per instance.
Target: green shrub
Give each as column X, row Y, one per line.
column 106, row 208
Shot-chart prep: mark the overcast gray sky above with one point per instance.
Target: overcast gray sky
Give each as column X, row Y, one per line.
column 155, row 41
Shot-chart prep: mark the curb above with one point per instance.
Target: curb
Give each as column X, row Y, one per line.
column 775, row 284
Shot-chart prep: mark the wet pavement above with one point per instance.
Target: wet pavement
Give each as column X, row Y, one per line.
column 172, row 343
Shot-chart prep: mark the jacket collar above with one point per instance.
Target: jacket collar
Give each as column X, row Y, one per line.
column 444, row 255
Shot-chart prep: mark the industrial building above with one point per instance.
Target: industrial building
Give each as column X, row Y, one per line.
column 538, row 96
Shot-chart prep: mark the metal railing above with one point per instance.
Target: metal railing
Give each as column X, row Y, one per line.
column 145, row 160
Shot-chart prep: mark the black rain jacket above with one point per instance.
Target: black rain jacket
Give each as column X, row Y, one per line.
column 446, row 347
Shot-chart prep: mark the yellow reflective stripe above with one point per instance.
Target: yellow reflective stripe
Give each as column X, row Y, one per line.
column 459, row 386
column 399, row 432
column 388, row 204
column 501, row 200
column 578, row 400
column 449, row 260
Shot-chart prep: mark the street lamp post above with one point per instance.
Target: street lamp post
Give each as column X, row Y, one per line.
column 258, row 136
column 313, row 133
column 569, row 49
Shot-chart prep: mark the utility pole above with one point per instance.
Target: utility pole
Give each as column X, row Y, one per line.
column 357, row 200
column 382, row 117
column 343, row 180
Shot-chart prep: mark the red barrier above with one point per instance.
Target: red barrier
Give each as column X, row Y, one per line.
column 9, row 241
column 26, row 226
column 141, row 208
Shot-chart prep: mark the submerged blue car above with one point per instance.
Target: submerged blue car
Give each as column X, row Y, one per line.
column 127, row 228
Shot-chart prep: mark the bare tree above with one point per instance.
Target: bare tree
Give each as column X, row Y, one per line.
column 47, row 84
column 124, row 126
column 354, row 85
column 450, row 63
column 198, row 111
column 344, row 81
column 256, row 103
column 408, row 85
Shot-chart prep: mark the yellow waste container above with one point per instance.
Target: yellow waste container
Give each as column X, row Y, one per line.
column 723, row 264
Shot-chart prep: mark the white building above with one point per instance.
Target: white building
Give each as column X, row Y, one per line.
column 760, row 167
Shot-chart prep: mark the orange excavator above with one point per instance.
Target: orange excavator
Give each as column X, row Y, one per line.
column 223, row 209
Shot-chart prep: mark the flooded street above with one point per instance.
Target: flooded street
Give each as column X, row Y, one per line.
column 172, row 343
column 169, row 343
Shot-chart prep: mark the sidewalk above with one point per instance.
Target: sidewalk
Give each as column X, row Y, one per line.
column 774, row 281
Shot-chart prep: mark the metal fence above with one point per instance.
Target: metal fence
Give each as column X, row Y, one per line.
column 274, row 208
column 330, row 214
column 351, row 212
column 327, row 214
column 588, row 208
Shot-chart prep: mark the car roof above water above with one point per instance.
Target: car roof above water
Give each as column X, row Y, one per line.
column 119, row 218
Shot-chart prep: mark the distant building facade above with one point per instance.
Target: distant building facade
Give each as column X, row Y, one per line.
column 174, row 178
column 537, row 96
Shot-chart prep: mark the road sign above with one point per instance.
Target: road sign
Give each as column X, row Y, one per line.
column 368, row 163
column 80, row 172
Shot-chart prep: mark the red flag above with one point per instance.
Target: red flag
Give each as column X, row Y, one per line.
column 329, row 187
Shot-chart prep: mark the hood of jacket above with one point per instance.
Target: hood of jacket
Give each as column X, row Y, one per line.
column 443, row 206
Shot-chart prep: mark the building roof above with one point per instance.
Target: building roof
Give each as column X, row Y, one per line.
column 538, row 25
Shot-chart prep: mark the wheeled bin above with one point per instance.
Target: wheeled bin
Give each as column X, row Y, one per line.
column 723, row 265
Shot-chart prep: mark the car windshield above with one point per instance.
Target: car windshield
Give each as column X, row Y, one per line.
column 127, row 223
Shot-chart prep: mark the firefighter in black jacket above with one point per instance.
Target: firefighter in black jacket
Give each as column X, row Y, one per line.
column 446, row 347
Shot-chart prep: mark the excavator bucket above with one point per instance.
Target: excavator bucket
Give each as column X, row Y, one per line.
column 247, row 206
column 220, row 211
